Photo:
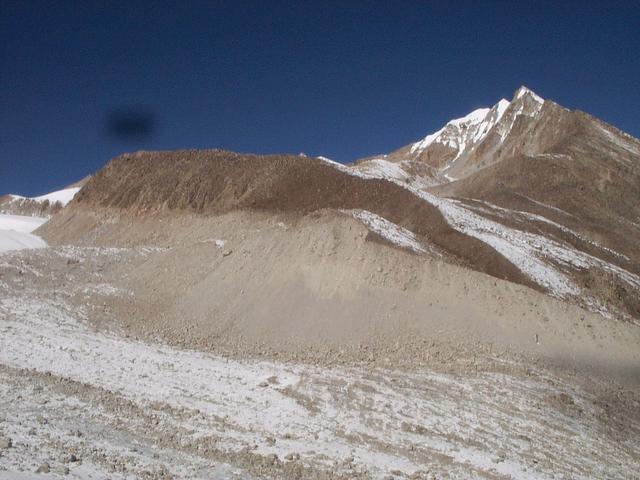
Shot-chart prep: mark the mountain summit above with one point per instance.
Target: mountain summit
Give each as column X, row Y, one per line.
column 478, row 139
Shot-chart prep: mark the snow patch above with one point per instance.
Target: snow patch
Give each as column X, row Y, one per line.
column 524, row 91
column 20, row 223
column 15, row 232
column 502, row 106
column 107, row 290
column 461, row 134
column 12, row 240
column 63, row 196
column 510, row 214
column 536, row 256
column 551, row 207
column 388, row 230
column 522, row 249
column 218, row 242
column 380, row 168
column 518, row 247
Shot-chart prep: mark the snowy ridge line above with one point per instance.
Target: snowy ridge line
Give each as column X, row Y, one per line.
column 461, row 133
column 522, row 92
column 536, row 256
column 383, row 171
column 388, row 230
column 63, row 196
column 508, row 242
column 627, row 142
column 473, row 119
column 381, row 168
column 505, row 212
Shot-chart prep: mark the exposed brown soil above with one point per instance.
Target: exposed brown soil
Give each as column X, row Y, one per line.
column 213, row 182
column 316, row 288
column 602, row 202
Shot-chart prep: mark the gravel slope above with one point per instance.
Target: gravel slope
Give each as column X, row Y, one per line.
column 126, row 408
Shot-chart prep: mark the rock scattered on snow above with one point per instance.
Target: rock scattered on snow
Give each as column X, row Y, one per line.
column 61, row 470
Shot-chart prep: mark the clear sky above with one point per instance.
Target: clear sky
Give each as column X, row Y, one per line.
column 341, row 79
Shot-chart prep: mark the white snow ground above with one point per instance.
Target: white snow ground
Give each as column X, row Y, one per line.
column 388, row 230
column 15, row 232
column 369, row 422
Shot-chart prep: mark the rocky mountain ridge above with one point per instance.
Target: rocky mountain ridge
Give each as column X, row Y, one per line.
column 526, row 191
column 41, row 206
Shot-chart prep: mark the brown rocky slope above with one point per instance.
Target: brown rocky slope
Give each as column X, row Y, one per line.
column 546, row 221
column 535, row 166
column 213, row 182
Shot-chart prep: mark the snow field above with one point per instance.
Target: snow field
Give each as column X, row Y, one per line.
column 15, row 232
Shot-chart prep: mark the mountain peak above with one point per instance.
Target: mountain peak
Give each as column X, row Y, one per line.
column 460, row 133
column 526, row 92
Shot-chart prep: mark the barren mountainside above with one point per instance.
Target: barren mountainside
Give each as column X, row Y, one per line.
column 525, row 191
column 467, row 306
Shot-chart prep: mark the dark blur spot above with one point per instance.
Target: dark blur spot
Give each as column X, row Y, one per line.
column 131, row 124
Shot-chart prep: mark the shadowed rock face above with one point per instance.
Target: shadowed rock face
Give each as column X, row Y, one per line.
column 526, row 191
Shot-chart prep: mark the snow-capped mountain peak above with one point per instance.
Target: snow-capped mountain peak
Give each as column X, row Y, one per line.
column 473, row 141
column 525, row 102
column 460, row 133
column 524, row 91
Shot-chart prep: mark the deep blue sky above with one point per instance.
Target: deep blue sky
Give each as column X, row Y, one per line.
column 341, row 79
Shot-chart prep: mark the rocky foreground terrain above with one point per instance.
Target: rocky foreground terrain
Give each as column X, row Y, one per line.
column 464, row 307
column 88, row 400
